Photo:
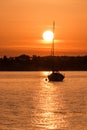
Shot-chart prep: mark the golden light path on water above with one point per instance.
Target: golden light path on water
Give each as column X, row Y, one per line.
column 51, row 106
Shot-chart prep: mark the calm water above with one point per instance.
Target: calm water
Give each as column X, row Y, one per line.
column 28, row 102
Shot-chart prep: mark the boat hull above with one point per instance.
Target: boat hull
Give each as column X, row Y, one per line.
column 56, row 77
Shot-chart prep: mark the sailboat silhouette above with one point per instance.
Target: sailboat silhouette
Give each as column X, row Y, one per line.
column 55, row 76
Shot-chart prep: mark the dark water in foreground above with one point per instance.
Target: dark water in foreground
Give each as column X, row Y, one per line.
column 28, row 102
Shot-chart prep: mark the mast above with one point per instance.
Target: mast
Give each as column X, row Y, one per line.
column 53, row 64
column 54, row 76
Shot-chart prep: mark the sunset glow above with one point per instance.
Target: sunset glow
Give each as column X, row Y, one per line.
column 48, row 36
column 22, row 24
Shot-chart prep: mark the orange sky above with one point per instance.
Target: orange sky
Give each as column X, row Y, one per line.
column 22, row 23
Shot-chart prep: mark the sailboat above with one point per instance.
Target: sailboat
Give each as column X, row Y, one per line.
column 55, row 76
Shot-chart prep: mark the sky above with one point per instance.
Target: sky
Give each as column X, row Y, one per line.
column 22, row 23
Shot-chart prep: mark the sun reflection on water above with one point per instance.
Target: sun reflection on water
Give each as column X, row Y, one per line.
column 45, row 73
column 50, row 105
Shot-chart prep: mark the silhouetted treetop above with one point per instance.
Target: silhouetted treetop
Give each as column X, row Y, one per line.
column 36, row 63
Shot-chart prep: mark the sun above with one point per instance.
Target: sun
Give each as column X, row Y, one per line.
column 48, row 36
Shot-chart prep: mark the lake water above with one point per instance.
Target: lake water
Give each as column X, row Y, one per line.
column 28, row 102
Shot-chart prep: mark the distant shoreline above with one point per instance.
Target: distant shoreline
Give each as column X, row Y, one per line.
column 45, row 63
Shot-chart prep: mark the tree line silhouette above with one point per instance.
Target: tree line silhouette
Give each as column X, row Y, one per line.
column 45, row 63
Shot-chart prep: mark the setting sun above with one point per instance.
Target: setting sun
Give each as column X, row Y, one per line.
column 48, row 36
